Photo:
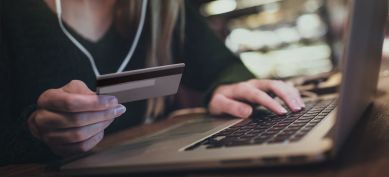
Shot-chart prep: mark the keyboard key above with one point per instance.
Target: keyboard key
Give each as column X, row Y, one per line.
column 249, row 135
column 282, row 125
column 311, row 125
column 260, row 139
column 302, row 121
column 269, row 134
column 295, row 124
column 306, row 129
column 315, row 120
column 277, row 128
column 288, row 132
column 257, row 131
column 277, row 140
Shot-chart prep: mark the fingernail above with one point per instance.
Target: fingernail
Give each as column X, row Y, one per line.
column 119, row 110
column 297, row 105
column 108, row 100
column 245, row 112
column 283, row 111
column 301, row 103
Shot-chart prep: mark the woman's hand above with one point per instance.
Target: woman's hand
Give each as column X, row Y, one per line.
column 227, row 99
column 72, row 119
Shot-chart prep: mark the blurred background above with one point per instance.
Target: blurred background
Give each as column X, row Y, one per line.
column 279, row 39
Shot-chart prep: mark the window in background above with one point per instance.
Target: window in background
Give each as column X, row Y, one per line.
column 276, row 38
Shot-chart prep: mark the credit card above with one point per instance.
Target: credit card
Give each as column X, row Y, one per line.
column 141, row 84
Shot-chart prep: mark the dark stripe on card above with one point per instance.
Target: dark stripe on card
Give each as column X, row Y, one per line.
column 139, row 76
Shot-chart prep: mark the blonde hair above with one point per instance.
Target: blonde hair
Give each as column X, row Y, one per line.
column 163, row 15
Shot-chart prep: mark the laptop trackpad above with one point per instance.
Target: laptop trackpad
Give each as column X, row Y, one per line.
column 202, row 125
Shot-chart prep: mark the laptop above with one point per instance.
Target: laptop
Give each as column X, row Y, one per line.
column 313, row 135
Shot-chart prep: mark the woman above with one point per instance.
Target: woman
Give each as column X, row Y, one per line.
column 48, row 105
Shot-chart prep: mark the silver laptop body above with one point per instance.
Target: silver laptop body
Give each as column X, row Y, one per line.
column 175, row 148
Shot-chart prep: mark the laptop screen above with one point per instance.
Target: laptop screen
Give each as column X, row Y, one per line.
column 360, row 34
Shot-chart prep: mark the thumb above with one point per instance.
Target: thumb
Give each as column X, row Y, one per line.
column 77, row 86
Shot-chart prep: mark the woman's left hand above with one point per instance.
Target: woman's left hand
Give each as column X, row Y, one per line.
column 230, row 99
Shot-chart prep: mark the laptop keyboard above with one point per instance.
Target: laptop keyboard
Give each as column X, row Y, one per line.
column 267, row 128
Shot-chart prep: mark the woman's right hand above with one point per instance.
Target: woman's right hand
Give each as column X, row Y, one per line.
column 72, row 119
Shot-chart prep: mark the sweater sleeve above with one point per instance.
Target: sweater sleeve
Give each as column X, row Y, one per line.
column 209, row 62
column 17, row 143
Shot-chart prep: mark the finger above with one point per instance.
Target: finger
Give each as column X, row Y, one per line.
column 32, row 125
column 76, row 148
column 297, row 96
column 286, row 93
column 74, row 135
column 58, row 100
column 245, row 91
column 48, row 120
column 223, row 105
column 77, row 86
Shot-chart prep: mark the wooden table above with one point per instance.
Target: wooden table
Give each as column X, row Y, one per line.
column 365, row 154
